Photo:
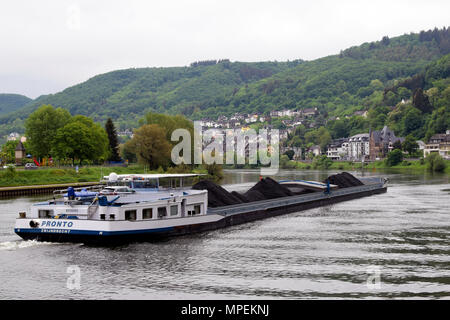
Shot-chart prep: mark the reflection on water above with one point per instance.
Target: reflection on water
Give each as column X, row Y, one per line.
column 327, row 252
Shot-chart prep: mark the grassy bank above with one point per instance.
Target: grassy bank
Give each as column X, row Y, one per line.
column 414, row 165
column 46, row 176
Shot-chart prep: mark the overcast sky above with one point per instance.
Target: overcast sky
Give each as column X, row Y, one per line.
column 49, row 45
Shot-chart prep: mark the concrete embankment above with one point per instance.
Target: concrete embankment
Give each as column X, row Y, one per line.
column 6, row 192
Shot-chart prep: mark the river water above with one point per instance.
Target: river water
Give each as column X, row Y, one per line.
column 393, row 245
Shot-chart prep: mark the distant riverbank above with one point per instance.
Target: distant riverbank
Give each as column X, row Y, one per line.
column 410, row 165
column 49, row 175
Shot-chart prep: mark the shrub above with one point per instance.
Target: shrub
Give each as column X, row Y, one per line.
column 322, row 162
column 394, row 158
column 435, row 163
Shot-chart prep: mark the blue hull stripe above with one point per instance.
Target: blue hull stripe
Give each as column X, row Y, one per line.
column 89, row 232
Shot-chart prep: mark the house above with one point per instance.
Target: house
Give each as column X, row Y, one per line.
column 315, row 150
column 309, row 112
column 358, row 147
column 13, row 136
column 421, row 145
column 439, row 143
column 382, row 142
column 362, row 113
column 338, row 149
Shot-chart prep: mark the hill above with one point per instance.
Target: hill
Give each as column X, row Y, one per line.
column 12, row 102
column 355, row 79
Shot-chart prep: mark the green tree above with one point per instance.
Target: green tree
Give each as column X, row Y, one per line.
column 394, row 157
column 8, row 151
column 113, row 141
column 127, row 151
column 397, row 145
column 290, row 154
column 322, row 162
column 412, row 121
column 410, row 145
column 435, row 163
column 81, row 139
column 41, row 127
column 150, row 145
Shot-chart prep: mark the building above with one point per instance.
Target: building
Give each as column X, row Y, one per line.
column 315, row 150
column 13, row 136
column 358, row 147
column 338, row 149
column 19, row 153
column 362, row 113
column 382, row 142
column 438, row 143
column 309, row 112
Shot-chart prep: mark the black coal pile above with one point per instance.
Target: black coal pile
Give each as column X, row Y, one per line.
column 270, row 189
column 344, row 180
column 265, row 189
column 217, row 196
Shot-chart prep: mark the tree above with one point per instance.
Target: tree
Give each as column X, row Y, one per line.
column 394, row 157
column 127, row 152
column 322, row 162
column 421, row 102
column 8, row 151
column 41, row 127
column 435, row 163
column 412, row 121
column 81, row 139
column 397, row 145
column 290, row 154
column 150, row 145
column 113, row 142
column 410, row 145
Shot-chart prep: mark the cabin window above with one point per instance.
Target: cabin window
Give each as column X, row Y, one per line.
column 174, row 210
column 102, row 216
column 112, row 217
column 198, row 208
column 147, row 213
column 162, row 212
column 130, row 215
column 45, row 213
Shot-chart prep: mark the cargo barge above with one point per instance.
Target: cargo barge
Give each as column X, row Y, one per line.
column 147, row 207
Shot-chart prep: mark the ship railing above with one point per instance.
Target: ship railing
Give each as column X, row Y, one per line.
column 286, row 201
column 95, row 188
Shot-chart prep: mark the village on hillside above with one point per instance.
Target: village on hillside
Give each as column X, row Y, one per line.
column 371, row 146
column 368, row 146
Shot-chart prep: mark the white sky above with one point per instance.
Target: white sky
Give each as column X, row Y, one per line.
column 48, row 45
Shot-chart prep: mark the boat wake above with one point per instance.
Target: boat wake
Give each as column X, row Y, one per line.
column 20, row 244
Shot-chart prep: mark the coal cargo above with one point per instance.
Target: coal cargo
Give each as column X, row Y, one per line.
column 343, row 180
column 271, row 189
column 217, row 196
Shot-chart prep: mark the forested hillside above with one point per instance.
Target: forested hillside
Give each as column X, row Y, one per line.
column 373, row 76
column 126, row 95
column 11, row 102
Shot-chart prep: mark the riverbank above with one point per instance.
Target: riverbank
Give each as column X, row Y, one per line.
column 51, row 176
column 412, row 165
